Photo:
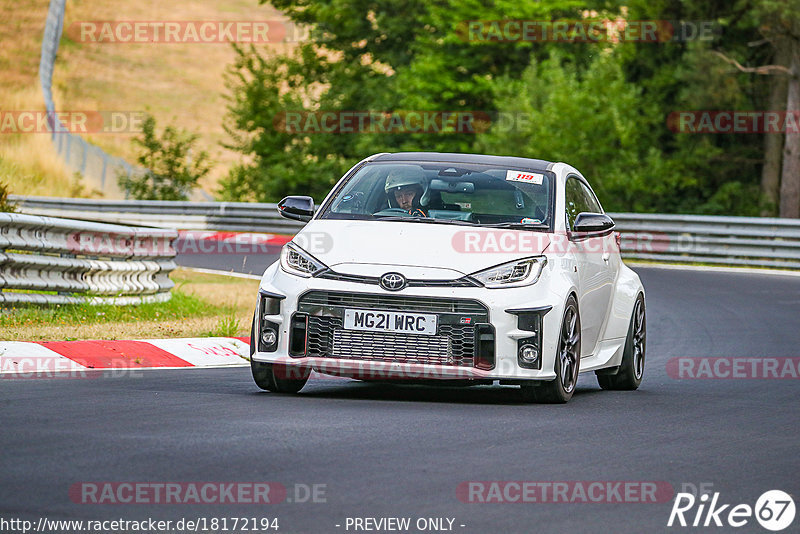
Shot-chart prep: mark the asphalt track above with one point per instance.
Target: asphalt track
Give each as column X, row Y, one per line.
column 402, row 451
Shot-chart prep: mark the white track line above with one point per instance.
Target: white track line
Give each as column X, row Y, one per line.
column 221, row 273
column 709, row 268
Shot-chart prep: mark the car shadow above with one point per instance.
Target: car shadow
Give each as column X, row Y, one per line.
column 346, row 389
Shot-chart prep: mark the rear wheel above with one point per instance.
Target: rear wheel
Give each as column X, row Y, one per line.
column 631, row 370
column 275, row 377
column 567, row 364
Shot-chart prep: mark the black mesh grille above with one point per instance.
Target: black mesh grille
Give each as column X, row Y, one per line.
column 453, row 344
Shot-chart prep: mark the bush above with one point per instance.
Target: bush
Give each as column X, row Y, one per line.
column 5, row 204
column 170, row 170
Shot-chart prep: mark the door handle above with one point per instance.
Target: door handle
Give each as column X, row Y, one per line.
column 606, row 255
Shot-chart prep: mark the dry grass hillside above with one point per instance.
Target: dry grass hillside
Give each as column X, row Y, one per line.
column 178, row 83
column 28, row 162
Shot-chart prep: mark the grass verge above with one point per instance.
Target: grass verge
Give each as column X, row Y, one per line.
column 201, row 305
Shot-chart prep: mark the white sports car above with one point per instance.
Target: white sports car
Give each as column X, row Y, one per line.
column 452, row 269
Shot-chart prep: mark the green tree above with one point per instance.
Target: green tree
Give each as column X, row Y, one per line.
column 778, row 21
column 365, row 55
column 279, row 163
column 688, row 75
column 602, row 107
column 170, row 169
column 593, row 120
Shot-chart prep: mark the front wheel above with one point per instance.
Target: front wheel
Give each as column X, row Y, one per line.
column 275, row 377
column 631, row 370
column 567, row 364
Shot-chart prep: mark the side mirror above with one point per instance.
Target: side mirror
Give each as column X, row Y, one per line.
column 297, row 208
column 593, row 223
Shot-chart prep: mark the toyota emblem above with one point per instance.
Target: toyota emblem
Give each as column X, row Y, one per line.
column 393, row 281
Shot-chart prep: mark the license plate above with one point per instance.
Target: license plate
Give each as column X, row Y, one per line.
column 387, row 321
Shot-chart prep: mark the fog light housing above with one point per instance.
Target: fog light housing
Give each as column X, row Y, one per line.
column 529, row 354
column 269, row 337
column 269, row 305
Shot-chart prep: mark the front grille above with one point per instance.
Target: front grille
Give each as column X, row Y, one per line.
column 375, row 280
column 312, row 301
column 453, row 344
column 388, row 347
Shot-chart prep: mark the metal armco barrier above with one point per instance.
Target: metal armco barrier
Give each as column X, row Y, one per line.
column 746, row 241
column 59, row 261
column 183, row 215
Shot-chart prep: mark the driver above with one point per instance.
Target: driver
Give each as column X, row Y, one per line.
column 405, row 187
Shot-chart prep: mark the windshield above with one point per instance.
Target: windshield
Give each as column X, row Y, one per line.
column 447, row 193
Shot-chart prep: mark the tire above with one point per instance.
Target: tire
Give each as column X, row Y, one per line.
column 567, row 364
column 631, row 370
column 268, row 376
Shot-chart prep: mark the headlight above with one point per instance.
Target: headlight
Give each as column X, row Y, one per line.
column 515, row 273
column 296, row 261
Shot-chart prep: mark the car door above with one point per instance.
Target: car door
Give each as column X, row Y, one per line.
column 595, row 264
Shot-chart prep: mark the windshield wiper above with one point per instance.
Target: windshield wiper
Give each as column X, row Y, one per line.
column 518, row 226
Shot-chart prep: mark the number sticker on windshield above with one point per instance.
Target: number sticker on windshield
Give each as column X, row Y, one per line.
column 528, row 177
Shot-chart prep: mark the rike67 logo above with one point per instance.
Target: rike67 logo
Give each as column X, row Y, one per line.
column 774, row 510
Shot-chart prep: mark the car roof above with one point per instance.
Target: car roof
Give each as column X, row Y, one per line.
column 450, row 157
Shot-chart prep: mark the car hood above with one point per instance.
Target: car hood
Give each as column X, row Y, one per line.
column 417, row 250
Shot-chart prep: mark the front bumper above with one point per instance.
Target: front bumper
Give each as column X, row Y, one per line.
column 370, row 363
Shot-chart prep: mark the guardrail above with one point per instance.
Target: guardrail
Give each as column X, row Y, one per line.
column 749, row 241
column 60, row 261
column 183, row 215
column 744, row 241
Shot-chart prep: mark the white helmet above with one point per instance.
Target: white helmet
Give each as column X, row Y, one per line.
column 405, row 175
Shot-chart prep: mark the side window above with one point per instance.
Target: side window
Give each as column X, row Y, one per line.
column 591, row 200
column 575, row 200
